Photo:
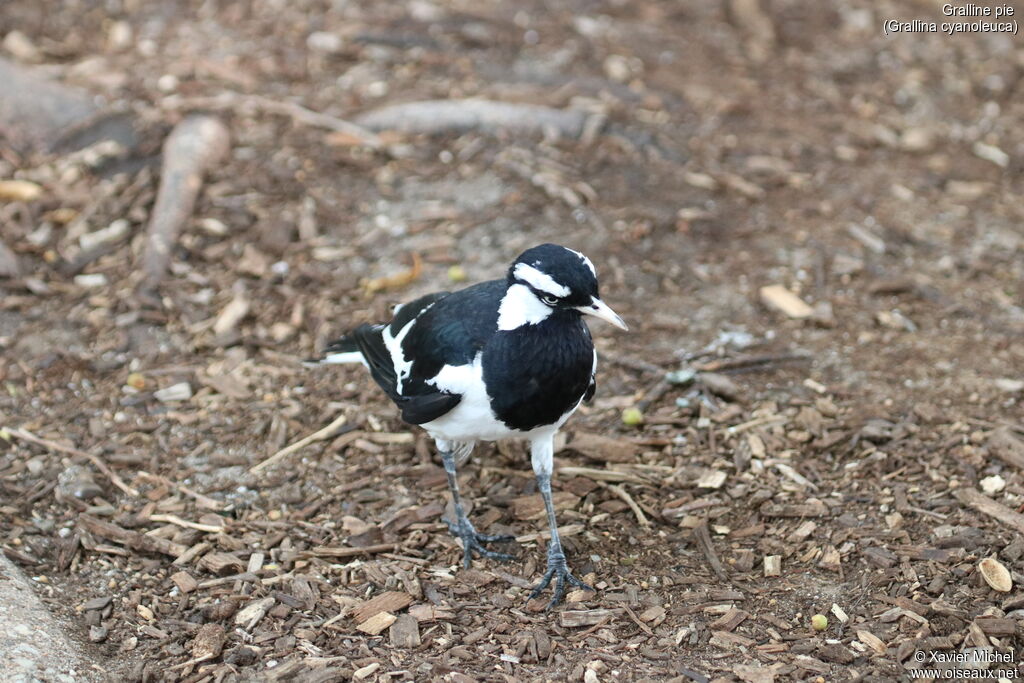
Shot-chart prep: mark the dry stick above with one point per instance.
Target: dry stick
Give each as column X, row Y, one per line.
column 298, row 113
column 628, row 499
column 703, row 537
column 132, row 539
column 325, row 433
column 25, row 435
column 460, row 116
column 633, row 363
column 750, row 361
column 193, row 147
column 204, row 501
column 636, row 620
column 987, row 506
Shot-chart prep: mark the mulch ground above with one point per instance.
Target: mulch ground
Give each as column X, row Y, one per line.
column 855, row 451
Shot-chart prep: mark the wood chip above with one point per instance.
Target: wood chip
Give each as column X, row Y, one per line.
column 1007, row 447
column 366, row 671
column 529, row 508
column 390, row 601
column 209, row 641
column 405, row 632
column 997, row 626
column 184, row 581
column 132, row 539
column 729, row 621
column 872, row 641
column 813, row 509
column 577, row 618
column 251, row 614
column 377, row 623
column 432, row 613
column 779, row 298
column 221, row 564
column 985, row 505
column 603, row 448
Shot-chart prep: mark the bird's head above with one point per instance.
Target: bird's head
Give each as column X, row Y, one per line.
column 562, row 279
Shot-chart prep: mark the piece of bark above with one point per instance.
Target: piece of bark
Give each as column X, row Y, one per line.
column 528, row 508
column 390, row 601
column 433, row 117
column 603, row 448
column 38, row 114
column 781, row 299
column 1007, row 447
column 729, row 621
column 209, row 641
column 987, row 506
column 221, row 564
column 997, row 626
column 132, row 539
column 377, row 623
column 193, row 148
column 815, row 509
column 184, row 581
column 405, row 632
column 589, row 617
column 9, row 264
column 703, row 538
column 251, row 614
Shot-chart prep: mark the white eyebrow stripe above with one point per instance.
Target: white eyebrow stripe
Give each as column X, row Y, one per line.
column 586, row 261
column 540, row 281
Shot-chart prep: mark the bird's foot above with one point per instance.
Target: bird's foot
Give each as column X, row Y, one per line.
column 559, row 571
column 473, row 541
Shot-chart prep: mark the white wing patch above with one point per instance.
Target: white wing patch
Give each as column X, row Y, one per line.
column 540, row 281
column 521, row 307
column 393, row 343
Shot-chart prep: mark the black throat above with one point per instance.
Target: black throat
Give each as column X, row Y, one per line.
column 535, row 374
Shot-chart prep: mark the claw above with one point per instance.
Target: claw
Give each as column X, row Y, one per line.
column 559, row 571
column 473, row 542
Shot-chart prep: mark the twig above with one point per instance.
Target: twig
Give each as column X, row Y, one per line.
column 636, row 620
column 703, row 538
column 132, row 539
column 628, row 499
column 193, row 147
column 25, row 435
column 603, row 475
column 298, row 113
column 743, row 362
column 987, row 506
column 325, row 433
column 327, row 551
column 563, row 532
column 459, row 116
column 178, row 521
column 632, row 363
column 204, row 501
column 654, row 394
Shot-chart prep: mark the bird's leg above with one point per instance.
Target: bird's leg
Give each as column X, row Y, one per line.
column 543, row 462
column 462, row 527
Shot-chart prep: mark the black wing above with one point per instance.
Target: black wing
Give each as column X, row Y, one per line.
column 417, row 407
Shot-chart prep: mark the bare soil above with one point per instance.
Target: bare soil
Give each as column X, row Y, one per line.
column 737, row 145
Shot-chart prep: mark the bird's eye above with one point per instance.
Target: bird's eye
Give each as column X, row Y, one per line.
column 549, row 300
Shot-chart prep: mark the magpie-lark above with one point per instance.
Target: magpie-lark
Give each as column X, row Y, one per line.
column 505, row 359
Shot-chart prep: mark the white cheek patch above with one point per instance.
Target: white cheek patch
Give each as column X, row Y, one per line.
column 542, row 282
column 521, row 307
column 587, row 262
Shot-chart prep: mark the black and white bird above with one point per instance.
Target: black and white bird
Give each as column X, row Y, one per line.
column 504, row 359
